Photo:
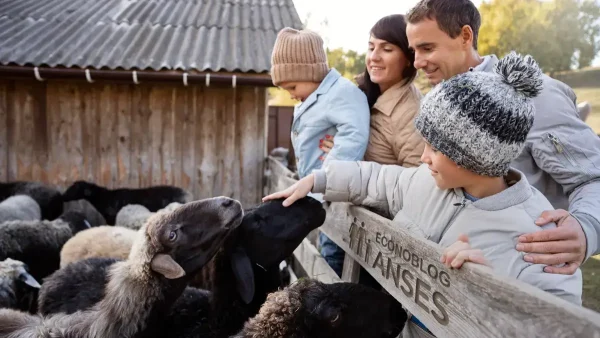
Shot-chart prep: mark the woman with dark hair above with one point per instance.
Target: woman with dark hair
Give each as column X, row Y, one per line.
column 394, row 102
column 392, row 96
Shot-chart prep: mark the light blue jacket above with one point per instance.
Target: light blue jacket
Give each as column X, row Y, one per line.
column 338, row 108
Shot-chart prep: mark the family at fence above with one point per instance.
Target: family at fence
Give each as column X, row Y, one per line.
column 494, row 163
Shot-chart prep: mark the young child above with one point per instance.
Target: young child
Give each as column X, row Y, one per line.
column 331, row 105
column 465, row 196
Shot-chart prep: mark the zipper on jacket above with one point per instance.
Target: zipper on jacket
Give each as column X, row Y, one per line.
column 561, row 149
column 461, row 205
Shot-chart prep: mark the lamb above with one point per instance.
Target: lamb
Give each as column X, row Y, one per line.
column 91, row 214
column 133, row 216
column 109, row 201
column 240, row 276
column 48, row 198
column 38, row 243
column 103, row 241
column 311, row 309
column 18, row 289
column 19, row 208
column 169, row 250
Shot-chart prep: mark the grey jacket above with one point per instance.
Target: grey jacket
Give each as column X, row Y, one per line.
column 561, row 157
column 493, row 224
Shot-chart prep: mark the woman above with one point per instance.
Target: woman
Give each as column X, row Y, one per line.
column 394, row 102
column 392, row 96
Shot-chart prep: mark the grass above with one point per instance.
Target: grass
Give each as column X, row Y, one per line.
column 591, row 283
column 592, row 95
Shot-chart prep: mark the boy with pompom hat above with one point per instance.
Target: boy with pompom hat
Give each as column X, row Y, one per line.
column 465, row 196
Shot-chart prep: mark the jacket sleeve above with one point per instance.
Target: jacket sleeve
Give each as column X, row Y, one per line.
column 566, row 148
column 567, row 287
column 351, row 116
column 363, row 183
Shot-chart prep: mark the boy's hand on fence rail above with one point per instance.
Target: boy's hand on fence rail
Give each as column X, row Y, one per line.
column 566, row 244
column 295, row 192
column 460, row 252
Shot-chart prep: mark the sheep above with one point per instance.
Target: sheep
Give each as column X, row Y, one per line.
column 38, row 243
column 91, row 214
column 312, row 309
column 169, row 249
column 239, row 277
column 48, row 198
column 18, row 289
column 109, row 201
column 19, row 208
column 103, row 241
column 134, row 215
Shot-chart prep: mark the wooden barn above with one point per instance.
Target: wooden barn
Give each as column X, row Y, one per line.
column 139, row 92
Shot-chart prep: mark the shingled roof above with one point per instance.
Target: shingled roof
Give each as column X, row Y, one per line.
column 202, row 35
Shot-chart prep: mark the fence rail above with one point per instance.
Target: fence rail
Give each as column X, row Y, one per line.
column 468, row 302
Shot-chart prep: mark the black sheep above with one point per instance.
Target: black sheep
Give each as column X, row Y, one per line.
column 49, row 199
column 18, row 289
column 240, row 276
column 109, row 201
column 38, row 243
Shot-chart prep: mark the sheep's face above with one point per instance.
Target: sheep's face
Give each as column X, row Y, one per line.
column 76, row 220
column 14, row 276
column 272, row 232
column 188, row 237
column 349, row 310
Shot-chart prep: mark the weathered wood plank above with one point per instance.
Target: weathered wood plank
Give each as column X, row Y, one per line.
column 108, row 135
column 350, row 270
column 469, row 302
column 158, row 96
column 249, row 160
column 201, row 101
column 4, row 149
column 314, row 264
column 123, row 150
column 228, row 141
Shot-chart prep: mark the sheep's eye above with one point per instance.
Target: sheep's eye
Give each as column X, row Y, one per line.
column 172, row 236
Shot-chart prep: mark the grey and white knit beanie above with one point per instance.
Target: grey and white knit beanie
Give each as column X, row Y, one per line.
column 480, row 120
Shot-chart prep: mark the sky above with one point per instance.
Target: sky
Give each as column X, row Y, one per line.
column 348, row 26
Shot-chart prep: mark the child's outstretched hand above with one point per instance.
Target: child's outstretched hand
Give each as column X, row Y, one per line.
column 295, row 192
column 460, row 252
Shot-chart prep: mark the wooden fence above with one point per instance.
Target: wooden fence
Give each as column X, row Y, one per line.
column 468, row 302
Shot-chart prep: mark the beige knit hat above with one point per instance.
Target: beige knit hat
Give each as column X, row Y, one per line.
column 298, row 55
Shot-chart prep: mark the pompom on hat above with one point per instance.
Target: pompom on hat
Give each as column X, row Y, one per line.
column 480, row 120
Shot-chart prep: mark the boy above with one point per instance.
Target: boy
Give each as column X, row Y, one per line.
column 464, row 196
column 330, row 105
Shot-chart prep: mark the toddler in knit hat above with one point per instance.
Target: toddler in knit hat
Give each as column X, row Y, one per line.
column 465, row 196
column 331, row 105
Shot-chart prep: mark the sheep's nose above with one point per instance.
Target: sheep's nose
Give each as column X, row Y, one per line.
column 227, row 203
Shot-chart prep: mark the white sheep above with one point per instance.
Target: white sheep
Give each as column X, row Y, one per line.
column 133, row 216
column 20, row 208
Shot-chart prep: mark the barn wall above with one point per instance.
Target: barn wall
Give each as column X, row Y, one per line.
column 210, row 141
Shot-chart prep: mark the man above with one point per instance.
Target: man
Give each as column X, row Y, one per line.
column 562, row 154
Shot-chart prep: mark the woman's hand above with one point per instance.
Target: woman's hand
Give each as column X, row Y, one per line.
column 326, row 145
column 460, row 252
column 295, row 192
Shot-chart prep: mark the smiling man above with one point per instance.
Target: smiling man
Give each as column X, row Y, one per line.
column 561, row 157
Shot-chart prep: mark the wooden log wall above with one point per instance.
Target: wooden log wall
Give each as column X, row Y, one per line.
column 209, row 140
column 469, row 302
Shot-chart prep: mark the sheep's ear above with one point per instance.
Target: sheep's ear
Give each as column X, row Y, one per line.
column 166, row 266
column 244, row 275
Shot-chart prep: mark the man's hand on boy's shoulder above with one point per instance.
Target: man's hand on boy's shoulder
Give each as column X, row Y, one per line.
column 566, row 244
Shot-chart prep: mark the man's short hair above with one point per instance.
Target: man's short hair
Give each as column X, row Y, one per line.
column 451, row 16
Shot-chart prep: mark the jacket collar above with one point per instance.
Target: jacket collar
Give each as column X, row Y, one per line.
column 488, row 63
column 387, row 102
column 332, row 76
column 518, row 192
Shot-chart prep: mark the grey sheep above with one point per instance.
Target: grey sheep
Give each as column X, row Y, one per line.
column 49, row 199
column 91, row 214
column 38, row 243
column 168, row 250
column 18, row 289
column 19, row 208
column 133, row 216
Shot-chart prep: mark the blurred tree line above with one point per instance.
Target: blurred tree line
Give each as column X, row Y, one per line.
column 560, row 34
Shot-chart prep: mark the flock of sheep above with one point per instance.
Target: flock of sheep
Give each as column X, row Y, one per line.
column 154, row 262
